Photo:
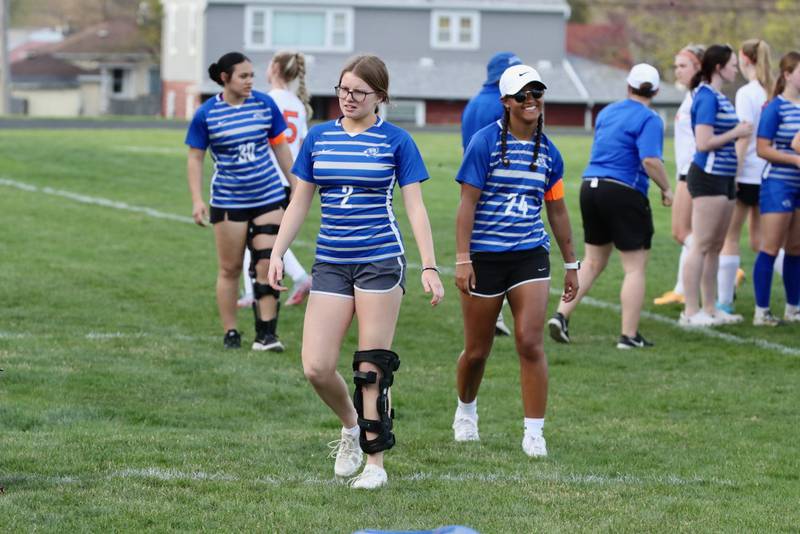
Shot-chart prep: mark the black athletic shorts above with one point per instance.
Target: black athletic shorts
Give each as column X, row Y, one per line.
column 497, row 273
column 703, row 184
column 681, row 177
column 615, row 213
column 241, row 215
column 287, row 191
column 748, row 194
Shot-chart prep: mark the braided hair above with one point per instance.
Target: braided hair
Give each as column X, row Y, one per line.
column 504, row 141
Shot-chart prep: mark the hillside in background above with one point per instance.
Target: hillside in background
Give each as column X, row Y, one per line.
column 72, row 14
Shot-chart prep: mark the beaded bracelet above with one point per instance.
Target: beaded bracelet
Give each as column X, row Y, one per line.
column 465, row 262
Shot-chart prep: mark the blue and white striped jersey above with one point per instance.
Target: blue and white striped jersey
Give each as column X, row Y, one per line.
column 508, row 213
column 356, row 175
column 239, row 138
column 713, row 108
column 780, row 122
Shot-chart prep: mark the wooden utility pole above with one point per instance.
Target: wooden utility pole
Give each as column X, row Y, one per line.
column 5, row 72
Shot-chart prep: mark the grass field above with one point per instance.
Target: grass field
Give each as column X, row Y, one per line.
column 120, row 411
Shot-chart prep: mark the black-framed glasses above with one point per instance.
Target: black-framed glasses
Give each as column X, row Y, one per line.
column 522, row 96
column 356, row 94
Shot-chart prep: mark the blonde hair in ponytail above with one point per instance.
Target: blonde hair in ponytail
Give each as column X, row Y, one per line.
column 758, row 52
column 291, row 67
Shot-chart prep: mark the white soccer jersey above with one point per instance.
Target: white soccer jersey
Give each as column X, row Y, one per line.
column 294, row 113
column 750, row 100
column 684, row 136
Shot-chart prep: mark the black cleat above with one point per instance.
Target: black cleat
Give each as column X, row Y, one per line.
column 268, row 342
column 559, row 328
column 637, row 342
column 232, row 339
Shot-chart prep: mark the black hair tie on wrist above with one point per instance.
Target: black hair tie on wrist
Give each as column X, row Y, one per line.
column 430, row 269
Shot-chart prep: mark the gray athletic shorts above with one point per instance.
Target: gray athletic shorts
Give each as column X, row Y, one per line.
column 341, row 279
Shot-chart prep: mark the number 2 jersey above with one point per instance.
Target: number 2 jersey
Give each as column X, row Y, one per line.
column 356, row 175
column 508, row 214
column 239, row 139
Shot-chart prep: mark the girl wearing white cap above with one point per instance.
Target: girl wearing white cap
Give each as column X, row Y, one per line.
column 687, row 63
column 711, row 182
column 510, row 170
column 626, row 154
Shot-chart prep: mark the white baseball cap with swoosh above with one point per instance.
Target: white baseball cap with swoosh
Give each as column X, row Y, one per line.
column 518, row 76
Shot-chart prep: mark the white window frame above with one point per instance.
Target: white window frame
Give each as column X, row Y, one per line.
column 455, row 16
column 329, row 13
column 172, row 23
column 420, row 110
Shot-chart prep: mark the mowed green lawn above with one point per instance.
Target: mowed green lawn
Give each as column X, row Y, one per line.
column 120, row 411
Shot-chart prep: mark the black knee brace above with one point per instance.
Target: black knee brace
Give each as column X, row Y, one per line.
column 388, row 362
column 258, row 254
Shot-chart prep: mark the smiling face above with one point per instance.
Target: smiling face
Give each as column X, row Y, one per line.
column 685, row 68
column 359, row 99
column 529, row 110
column 240, row 81
column 729, row 70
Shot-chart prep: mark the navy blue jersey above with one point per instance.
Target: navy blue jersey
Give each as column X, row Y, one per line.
column 780, row 122
column 239, row 140
column 356, row 175
column 508, row 213
column 482, row 110
column 712, row 108
column 626, row 133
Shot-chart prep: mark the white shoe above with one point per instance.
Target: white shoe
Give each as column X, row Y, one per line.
column 371, row 477
column 766, row 319
column 791, row 317
column 465, row 428
column 500, row 328
column 534, row 446
column 299, row 292
column 723, row 317
column 348, row 455
column 700, row 318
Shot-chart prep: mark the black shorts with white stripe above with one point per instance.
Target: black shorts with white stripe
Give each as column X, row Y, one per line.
column 497, row 273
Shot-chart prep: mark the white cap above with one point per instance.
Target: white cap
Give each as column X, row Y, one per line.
column 518, row 76
column 643, row 73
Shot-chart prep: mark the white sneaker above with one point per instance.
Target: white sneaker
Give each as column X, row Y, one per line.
column 723, row 317
column 766, row 319
column 700, row 318
column 500, row 328
column 371, row 477
column 535, row 447
column 791, row 317
column 348, row 455
column 465, row 428
column 299, row 292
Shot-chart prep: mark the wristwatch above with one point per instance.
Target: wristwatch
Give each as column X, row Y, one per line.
column 574, row 266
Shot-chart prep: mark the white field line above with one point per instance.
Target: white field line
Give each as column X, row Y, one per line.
column 162, row 474
column 708, row 332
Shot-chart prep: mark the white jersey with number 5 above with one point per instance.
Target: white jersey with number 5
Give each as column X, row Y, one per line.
column 294, row 113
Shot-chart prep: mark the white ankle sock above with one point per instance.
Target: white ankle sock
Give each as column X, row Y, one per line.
column 790, row 310
column 533, row 427
column 684, row 252
column 355, row 431
column 468, row 408
column 726, row 278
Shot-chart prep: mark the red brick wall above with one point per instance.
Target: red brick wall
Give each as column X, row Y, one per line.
column 444, row 111
column 180, row 89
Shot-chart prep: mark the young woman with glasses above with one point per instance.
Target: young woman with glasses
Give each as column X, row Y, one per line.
column 712, row 185
column 511, row 169
column 626, row 154
column 239, row 126
column 779, row 144
column 356, row 161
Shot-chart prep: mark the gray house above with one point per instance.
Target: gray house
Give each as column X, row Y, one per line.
column 436, row 51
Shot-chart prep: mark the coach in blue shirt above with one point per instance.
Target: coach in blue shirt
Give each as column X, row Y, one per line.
column 626, row 154
column 485, row 107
